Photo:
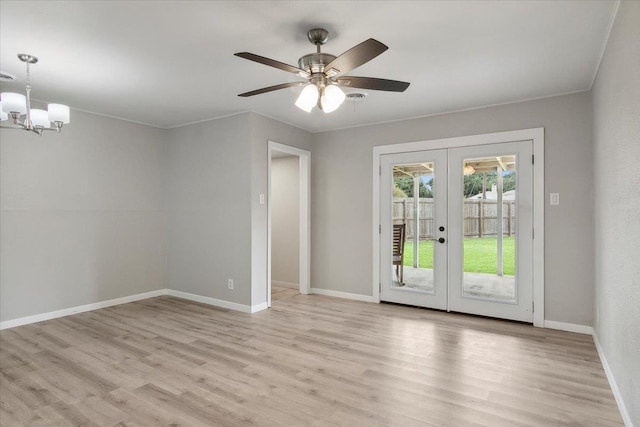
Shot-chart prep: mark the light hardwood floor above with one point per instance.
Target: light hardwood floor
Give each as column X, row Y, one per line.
column 309, row 360
column 280, row 292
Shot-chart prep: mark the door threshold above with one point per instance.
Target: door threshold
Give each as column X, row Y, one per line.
column 477, row 316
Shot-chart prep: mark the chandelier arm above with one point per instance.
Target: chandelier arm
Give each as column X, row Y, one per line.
column 37, row 130
column 57, row 128
column 19, row 126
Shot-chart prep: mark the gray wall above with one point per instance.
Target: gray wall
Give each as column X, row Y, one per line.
column 209, row 211
column 217, row 228
column 342, row 200
column 95, row 200
column 82, row 215
column 616, row 124
column 285, row 220
column 109, row 208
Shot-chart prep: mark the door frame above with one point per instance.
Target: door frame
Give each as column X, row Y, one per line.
column 536, row 136
column 304, row 175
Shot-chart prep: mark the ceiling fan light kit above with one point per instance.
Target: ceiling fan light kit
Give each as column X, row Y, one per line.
column 308, row 98
column 324, row 73
column 16, row 105
column 332, row 97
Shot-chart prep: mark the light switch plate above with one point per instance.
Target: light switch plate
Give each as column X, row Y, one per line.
column 554, row 199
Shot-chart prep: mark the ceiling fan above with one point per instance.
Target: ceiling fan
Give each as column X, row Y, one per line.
column 324, row 73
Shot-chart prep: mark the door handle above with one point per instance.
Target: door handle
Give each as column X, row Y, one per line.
column 441, row 240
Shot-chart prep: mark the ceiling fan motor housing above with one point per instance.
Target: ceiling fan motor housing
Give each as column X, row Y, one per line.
column 315, row 62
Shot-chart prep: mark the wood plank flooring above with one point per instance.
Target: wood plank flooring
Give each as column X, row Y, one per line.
column 310, row 360
column 280, row 292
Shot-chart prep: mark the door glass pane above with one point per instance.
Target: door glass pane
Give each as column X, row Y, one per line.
column 413, row 219
column 489, row 216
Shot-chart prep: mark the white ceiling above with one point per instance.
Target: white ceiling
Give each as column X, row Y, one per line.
column 171, row 63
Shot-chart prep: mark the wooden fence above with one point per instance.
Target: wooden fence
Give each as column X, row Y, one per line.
column 480, row 217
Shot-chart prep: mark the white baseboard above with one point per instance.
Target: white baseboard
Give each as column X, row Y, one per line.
column 569, row 327
column 79, row 309
column 179, row 294
column 612, row 383
column 285, row 284
column 218, row 302
column 339, row 294
column 211, row 301
column 131, row 298
column 259, row 307
column 584, row 329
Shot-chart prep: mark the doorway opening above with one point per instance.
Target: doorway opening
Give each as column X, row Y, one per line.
column 455, row 221
column 288, row 222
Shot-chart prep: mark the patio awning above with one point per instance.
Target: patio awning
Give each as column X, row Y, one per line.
column 413, row 169
column 488, row 164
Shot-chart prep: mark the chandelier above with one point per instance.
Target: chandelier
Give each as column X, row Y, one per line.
column 17, row 107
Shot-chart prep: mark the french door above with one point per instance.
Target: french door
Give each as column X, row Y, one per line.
column 456, row 229
column 418, row 274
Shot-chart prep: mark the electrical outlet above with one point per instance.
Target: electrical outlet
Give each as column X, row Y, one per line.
column 230, row 283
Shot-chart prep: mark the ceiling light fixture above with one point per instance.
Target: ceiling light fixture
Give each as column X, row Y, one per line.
column 16, row 105
column 308, row 98
column 330, row 97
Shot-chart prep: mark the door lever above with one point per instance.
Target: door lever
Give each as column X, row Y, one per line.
column 441, row 240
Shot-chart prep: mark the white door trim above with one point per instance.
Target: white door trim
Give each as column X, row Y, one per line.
column 536, row 135
column 304, row 157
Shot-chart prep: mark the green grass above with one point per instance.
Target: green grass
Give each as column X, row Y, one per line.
column 479, row 255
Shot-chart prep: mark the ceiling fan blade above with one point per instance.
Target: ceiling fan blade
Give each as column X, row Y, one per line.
column 272, row 63
column 373, row 83
column 272, row 88
column 355, row 57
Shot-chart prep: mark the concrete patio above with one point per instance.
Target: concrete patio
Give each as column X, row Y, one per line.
column 479, row 285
